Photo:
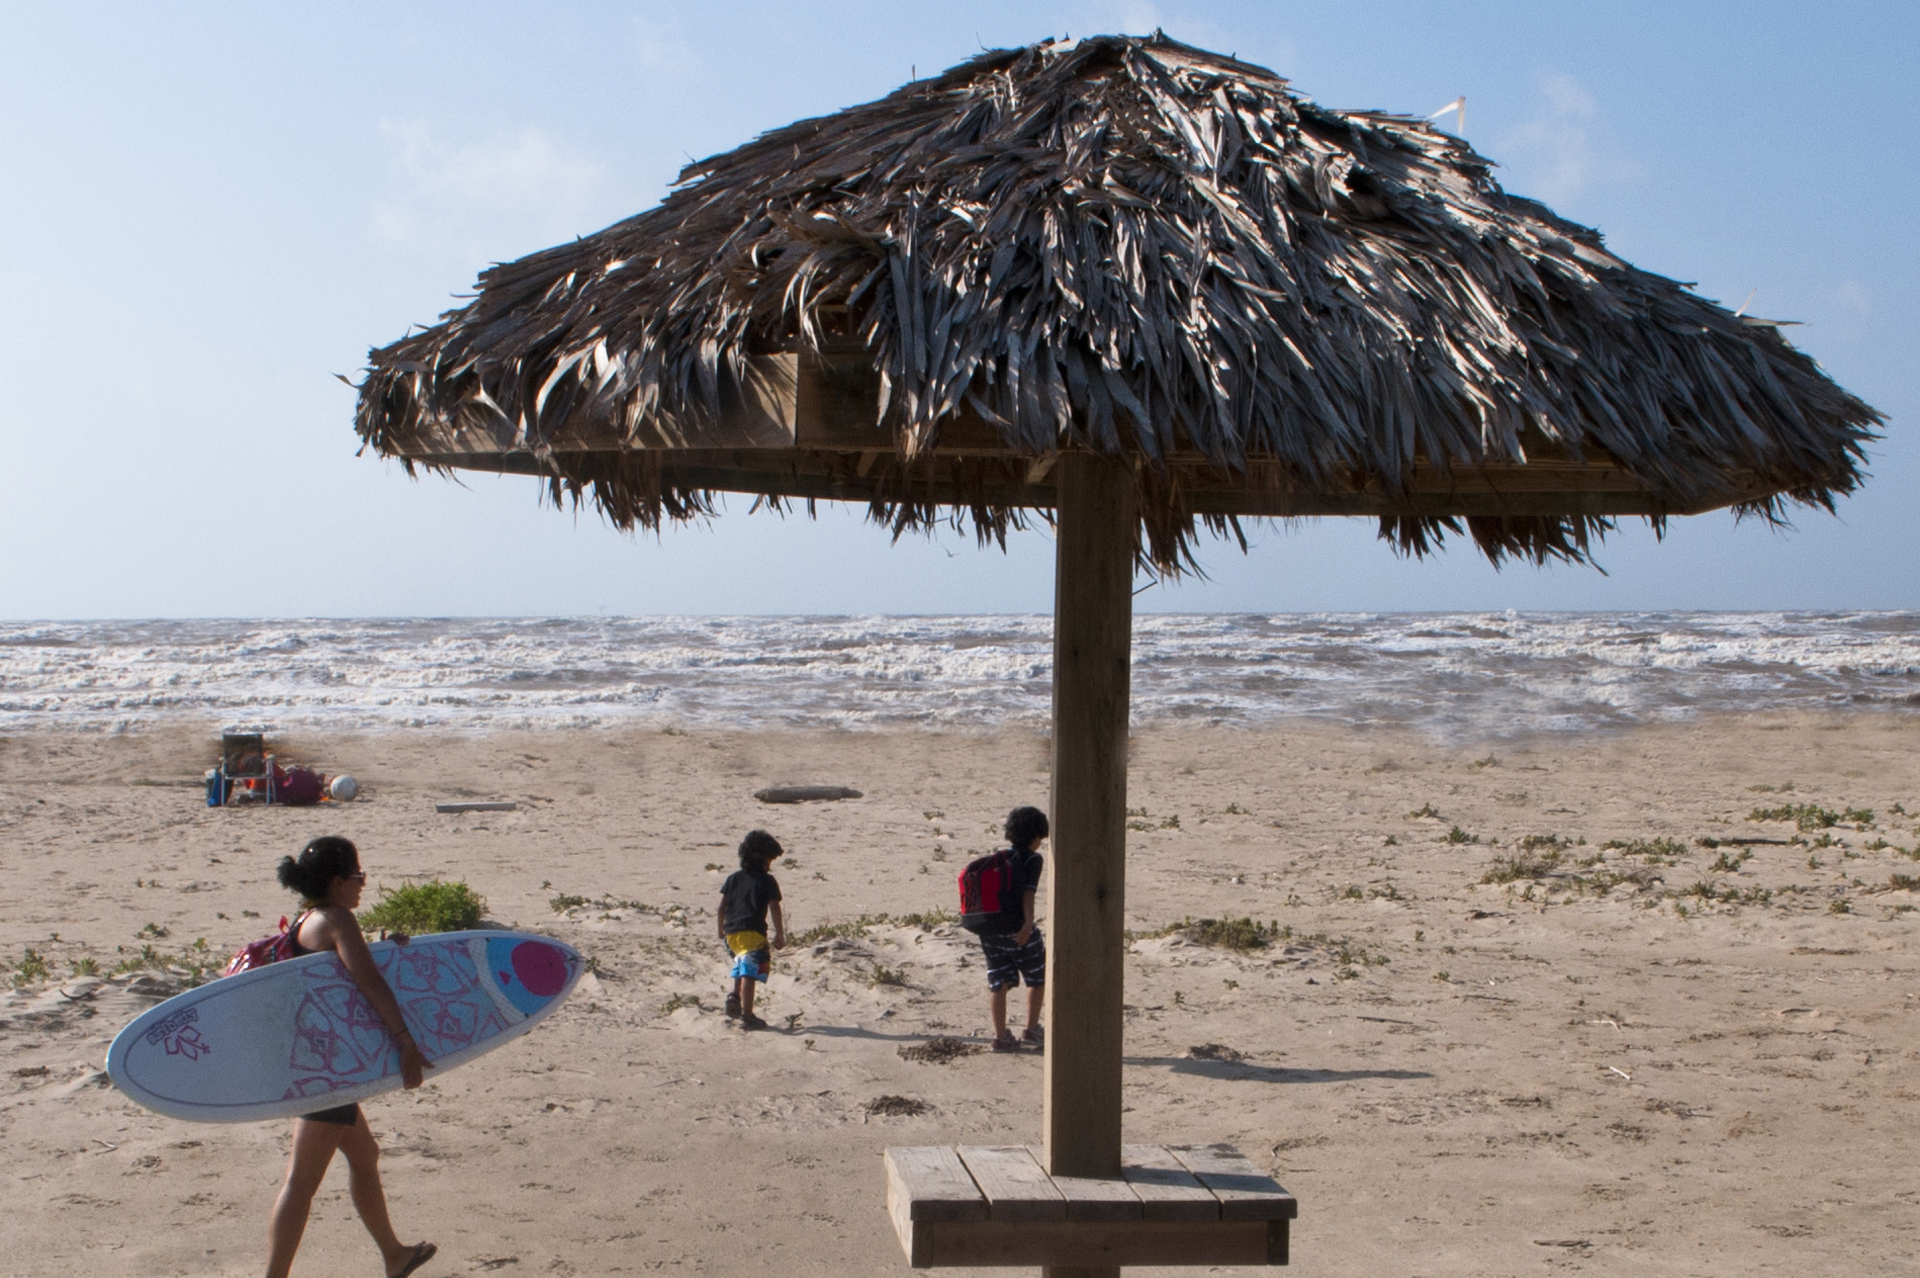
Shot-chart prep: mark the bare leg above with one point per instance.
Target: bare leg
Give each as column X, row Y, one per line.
column 1036, row 999
column 997, row 1003
column 369, row 1199
column 313, row 1148
column 746, row 996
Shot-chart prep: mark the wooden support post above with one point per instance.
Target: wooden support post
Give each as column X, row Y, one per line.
column 1086, row 875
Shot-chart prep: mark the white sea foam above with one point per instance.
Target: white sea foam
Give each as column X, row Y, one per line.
column 1448, row 674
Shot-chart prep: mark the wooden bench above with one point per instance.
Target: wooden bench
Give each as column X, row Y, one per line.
column 1173, row 1205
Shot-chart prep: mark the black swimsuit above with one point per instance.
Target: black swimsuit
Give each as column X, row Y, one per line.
column 339, row 1115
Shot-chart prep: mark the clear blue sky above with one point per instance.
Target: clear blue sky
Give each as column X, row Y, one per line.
column 209, row 210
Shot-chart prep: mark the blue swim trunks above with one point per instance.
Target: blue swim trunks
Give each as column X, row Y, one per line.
column 752, row 958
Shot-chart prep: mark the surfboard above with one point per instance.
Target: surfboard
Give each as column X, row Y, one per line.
column 297, row 1036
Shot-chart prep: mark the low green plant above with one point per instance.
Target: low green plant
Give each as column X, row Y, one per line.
column 565, row 901
column 196, row 962
column 1904, row 883
column 1240, row 934
column 1522, row 866
column 1458, row 835
column 884, row 975
column 86, row 965
column 1805, row 816
column 846, row 927
column 1424, row 810
column 31, row 967
column 421, row 908
column 679, row 1001
column 1725, row 864
column 1840, row 906
column 1662, row 849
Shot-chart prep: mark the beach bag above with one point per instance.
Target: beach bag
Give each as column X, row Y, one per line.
column 297, row 786
column 268, row 949
column 990, row 895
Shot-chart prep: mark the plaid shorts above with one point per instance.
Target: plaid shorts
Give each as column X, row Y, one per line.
column 1008, row 964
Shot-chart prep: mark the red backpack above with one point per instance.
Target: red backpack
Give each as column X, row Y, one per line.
column 268, row 949
column 990, row 895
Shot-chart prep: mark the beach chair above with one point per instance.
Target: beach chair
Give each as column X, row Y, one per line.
column 244, row 758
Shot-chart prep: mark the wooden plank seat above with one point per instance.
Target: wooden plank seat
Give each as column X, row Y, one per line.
column 972, row 1205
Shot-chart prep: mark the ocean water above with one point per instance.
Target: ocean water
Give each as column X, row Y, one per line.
column 1450, row 675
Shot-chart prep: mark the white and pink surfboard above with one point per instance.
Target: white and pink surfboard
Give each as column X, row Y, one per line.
column 297, row 1036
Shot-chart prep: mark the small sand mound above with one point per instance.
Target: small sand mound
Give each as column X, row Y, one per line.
column 896, row 1106
column 939, row 1051
column 1215, row 1052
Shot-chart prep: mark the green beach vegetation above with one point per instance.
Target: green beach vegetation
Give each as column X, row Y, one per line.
column 421, row 908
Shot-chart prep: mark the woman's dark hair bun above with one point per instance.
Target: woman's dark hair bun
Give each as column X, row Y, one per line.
column 323, row 860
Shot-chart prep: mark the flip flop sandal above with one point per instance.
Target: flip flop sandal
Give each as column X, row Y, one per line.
column 1006, row 1043
column 1036, row 1036
column 421, row 1255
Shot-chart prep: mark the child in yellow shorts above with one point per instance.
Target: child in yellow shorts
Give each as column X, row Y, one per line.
column 746, row 898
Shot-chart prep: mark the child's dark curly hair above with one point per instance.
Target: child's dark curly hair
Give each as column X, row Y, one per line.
column 758, row 850
column 1026, row 827
column 323, row 860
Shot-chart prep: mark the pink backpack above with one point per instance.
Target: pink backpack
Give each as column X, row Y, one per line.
column 268, row 949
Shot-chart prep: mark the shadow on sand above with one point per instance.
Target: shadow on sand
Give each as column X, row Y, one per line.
column 1242, row 1072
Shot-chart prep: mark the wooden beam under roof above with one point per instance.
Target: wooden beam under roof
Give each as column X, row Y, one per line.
column 1016, row 481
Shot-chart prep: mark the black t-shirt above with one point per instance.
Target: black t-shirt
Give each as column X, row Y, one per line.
column 1027, row 865
column 745, row 896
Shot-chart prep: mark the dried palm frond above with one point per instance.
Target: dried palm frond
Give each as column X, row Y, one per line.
column 1125, row 245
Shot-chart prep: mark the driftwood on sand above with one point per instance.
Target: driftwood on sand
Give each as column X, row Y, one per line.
column 805, row 793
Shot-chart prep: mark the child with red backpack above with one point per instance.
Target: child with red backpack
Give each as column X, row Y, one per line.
column 997, row 894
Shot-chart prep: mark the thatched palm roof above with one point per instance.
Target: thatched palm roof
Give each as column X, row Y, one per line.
column 1126, row 246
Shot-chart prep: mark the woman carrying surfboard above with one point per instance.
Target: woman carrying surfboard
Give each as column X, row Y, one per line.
column 328, row 877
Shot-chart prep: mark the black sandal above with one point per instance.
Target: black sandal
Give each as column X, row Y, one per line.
column 421, row 1255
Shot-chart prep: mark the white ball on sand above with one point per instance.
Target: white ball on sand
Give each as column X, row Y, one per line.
column 343, row 788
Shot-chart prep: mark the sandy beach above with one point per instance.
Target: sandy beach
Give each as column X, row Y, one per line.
column 1518, row 1016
